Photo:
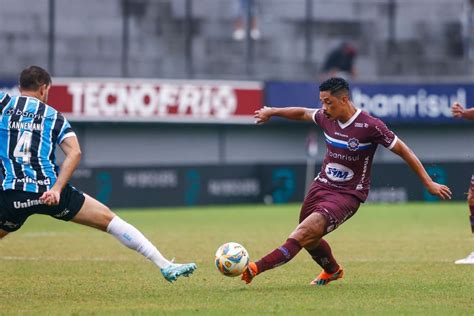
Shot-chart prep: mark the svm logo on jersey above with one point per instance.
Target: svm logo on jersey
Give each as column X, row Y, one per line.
column 338, row 173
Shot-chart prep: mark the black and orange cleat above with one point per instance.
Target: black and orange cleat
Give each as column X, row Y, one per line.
column 249, row 273
column 324, row 277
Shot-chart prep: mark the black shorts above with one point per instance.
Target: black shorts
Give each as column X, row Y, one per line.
column 17, row 206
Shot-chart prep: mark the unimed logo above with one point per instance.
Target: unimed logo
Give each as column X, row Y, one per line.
column 27, row 203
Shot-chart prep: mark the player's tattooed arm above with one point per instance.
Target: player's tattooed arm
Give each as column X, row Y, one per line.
column 292, row 113
column 440, row 190
column 459, row 111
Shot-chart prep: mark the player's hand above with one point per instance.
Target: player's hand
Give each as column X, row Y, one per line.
column 262, row 115
column 50, row 197
column 439, row 190
column 457, row 110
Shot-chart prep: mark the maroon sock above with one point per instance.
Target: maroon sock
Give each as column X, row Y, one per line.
column 322, row 254
column 279, row 256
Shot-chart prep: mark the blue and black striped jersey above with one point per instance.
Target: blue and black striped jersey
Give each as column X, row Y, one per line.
column 29, row 133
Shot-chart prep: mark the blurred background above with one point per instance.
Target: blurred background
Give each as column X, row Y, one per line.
column 162, row 92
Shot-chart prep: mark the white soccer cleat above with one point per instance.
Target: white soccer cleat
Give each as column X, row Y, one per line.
column 175, row 270
column 468, row 260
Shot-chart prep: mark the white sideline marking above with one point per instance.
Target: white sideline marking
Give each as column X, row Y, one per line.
column 59, row 259
column 441, row 260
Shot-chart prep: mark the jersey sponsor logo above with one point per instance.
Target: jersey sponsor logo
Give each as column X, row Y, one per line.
column 338, row 173
column 27, row 203
column 340, row 134
column 343, row 156
column 386, row 138
column 26, row 125
column 46, row 181
column 321, row 179
column 23, row 114
column 361, row 125
column 360, row 186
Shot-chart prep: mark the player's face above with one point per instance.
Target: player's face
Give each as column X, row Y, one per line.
column 332, row 106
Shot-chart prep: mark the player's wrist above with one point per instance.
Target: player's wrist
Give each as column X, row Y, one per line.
column 427, row 182
column 270, row 110
column 57, row 188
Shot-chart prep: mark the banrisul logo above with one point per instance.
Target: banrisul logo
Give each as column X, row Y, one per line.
column 338, row 173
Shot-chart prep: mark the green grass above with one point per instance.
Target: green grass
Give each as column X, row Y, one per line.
column 398, row 261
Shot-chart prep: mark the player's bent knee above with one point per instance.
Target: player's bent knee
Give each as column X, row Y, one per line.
column 94, row 214
column 310, row 231
column 305, row 236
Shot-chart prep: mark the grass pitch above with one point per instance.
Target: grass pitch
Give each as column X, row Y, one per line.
column 398, row 260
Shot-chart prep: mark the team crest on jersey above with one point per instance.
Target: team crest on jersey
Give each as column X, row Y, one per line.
column 353, row 144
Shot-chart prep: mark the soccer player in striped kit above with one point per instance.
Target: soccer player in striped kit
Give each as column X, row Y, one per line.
column 335, row 195
column 33, row 183
column 460, row 112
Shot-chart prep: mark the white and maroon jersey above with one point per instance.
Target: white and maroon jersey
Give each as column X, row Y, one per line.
column 350, row 151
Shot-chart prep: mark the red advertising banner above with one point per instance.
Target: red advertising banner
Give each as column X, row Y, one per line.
column 120, row 100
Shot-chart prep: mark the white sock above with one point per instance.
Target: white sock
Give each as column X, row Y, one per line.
column 134, row 239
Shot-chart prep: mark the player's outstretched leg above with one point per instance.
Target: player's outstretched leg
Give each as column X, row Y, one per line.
column 134, row 239
column 322, row 254
column 308, row 232
column 277, row 257
column 95, row 214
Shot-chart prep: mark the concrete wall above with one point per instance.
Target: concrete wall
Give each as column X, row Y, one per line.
column 89, row 38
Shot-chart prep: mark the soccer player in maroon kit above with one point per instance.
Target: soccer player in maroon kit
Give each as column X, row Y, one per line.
column 460, row 112
column 351, row 137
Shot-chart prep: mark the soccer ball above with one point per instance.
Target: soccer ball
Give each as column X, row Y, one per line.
column 231, row 259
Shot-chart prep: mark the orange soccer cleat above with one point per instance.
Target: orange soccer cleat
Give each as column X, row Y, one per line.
column 324, row 277
column 249, row 273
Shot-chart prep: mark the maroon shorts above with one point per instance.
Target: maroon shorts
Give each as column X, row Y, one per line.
column 335, row 206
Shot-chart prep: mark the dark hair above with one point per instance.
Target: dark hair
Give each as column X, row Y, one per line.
column 33, row 77
column 335, row 85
